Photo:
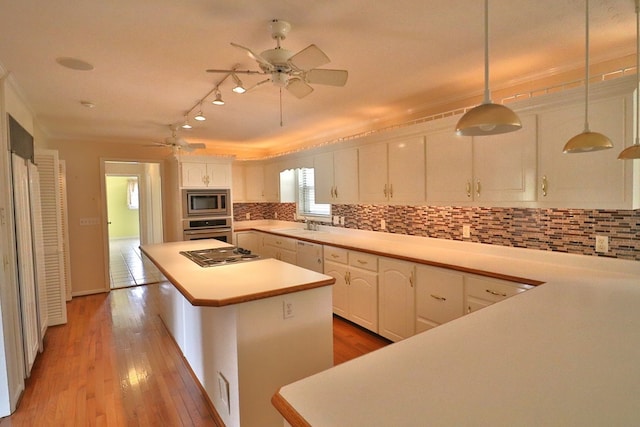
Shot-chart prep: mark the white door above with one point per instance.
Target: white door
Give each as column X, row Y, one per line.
column 26, row 279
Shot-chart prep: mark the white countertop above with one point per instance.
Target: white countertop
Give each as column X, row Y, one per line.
column 564, row 353
column 229, row 284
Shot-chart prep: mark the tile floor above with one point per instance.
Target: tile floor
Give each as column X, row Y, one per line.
column 128, row 266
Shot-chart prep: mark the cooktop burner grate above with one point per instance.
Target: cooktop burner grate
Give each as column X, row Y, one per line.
column 220, row 256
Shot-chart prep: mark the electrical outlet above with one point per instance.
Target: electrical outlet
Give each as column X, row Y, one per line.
column 336, row 220
column 341, row 220
column 248, row 215
column 275, row 215
column 383, row 224
column 602, row 244
column 287, row 309
column 466, row 231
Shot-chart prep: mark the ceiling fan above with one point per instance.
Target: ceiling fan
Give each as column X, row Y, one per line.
column 177, row 143
column 294, row 72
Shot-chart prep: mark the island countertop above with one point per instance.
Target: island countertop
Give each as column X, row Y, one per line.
column 229, row 284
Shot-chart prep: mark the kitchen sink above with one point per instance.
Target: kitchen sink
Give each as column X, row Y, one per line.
column 299, row 231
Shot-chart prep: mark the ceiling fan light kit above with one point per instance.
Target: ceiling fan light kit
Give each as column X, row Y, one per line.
column 487, row 118
column 587, row 141
column 633, row 151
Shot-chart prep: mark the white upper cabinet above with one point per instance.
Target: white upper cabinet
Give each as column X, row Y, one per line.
column 586, row 180
column 497, row 168
column 261, row 182
column 336, row 176
column 205, row 174
column 392, row 171
column 449, row 167
column 237, row 183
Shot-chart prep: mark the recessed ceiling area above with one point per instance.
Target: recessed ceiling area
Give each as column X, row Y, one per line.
column 404, row 57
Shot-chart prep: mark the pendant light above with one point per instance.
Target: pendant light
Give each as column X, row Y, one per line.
column 487, row 118
column 200, row 117
column 218, row 100
column 185, row 124
column 587, row 141
column 633, row 151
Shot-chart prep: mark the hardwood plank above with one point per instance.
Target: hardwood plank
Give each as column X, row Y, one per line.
column 115, row 364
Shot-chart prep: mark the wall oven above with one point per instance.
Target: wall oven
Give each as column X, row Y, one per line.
column 210, row 228
column 197, row 203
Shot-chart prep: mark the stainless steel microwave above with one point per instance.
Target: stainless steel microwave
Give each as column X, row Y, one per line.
column 206, row 202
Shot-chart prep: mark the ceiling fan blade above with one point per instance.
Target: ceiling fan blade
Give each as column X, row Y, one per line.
column 327, row 77
column 299, row 88
column 260, row 83
column 234, row 71
column 309, row 57
column 254, row 56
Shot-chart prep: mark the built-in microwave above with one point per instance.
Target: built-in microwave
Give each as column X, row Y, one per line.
column 206, row 202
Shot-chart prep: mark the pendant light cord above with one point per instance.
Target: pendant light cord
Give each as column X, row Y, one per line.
column 637, row 70
column 586, row 70
column 487, row 95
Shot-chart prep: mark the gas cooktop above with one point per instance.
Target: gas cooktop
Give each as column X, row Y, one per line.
column 220, row 256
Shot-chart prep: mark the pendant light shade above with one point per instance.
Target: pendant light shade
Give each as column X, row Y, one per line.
column 587, row 141
column 633, row 151
column 487, row 118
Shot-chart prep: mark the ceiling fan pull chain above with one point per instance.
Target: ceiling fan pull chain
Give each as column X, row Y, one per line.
column 280, row 107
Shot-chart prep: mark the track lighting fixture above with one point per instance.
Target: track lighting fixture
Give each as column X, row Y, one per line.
column 200, row 117
column 238, row 88
column 185, row 124
column 218, row 100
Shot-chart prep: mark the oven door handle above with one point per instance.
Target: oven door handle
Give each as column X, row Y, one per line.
column 206, row 231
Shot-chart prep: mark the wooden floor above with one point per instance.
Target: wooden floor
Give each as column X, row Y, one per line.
column 114, row 364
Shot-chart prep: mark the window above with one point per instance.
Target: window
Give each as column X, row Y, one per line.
column 307, row 205
column 132, row 193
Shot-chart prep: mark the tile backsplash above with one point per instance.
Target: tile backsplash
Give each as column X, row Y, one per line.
column 560, row 230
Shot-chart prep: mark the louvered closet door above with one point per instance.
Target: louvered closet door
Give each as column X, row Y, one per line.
column 38, row 251
column 22, row 212
column 64, row 217
column 47, row 161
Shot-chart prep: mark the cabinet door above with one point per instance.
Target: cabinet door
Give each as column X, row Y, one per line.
column 504, row 166
column 272, row 182
column 481, row 291
column 396, row 304
column 372, row 173
column 340, row 288
column 407, row 170
column 218, row 175
column 254, row 183
column 449, row 163
column 439, row 296
column 363, row 298
column 237, row 183
column 193, row 174
column 323, row 177
column 345, row 176
column 584, row 180
column 247, row 240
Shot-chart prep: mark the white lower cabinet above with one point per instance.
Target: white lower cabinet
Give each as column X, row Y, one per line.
column 482, row 291
column 439, row 296
column 247, row 240
column 355, row 293
column 280, row 248
column 396, row 299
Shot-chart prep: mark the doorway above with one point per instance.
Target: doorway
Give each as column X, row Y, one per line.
column 134, row 210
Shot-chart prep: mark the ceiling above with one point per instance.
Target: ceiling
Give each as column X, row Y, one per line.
column 150, row 57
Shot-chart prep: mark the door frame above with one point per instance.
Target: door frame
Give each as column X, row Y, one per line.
column 143, row 212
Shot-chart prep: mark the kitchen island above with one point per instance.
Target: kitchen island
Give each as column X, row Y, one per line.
column 245, row 329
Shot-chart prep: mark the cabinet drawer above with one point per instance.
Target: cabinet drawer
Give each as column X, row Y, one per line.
column 439, row 295
column 334, row 254
column 280, row 242
column 362, row 260
column 493, row 290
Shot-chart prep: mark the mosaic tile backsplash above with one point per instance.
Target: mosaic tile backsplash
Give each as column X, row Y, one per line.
column 560, row 230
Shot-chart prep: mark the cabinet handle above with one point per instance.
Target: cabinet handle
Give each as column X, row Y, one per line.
column 499, row 294
column 544, row 185
column 469, row 189
column 335, row 191
column 411, row 278
column 478, row 188
column 347, row 277
column 438, row 297
column 335, row 256
column 385, row 190
column 362, row 262
column 391, row 191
